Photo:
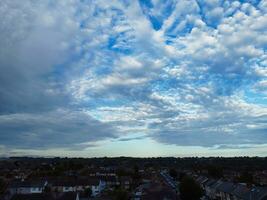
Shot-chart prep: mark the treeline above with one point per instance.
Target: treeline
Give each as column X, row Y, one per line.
column 192, row 163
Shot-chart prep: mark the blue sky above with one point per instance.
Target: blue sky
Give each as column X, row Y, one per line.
column 133, row 78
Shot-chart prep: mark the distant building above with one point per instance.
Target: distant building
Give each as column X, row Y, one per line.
column 37, row 196
column 27, row 187
column 125, row 182
column 224, row 190
column 44, row 196
column 78, row 184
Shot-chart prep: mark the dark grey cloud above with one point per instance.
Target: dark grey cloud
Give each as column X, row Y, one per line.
column 60, row 128
column 206, row 138
column 35, row 40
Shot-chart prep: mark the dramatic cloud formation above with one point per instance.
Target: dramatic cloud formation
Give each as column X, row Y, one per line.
column 185, row 73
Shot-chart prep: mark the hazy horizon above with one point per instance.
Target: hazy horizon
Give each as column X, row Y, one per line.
column 145, row 78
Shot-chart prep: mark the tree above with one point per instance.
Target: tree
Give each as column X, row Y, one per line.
column 136, row 169
column 122, row 172
column 190, row 189
column 173, row 173
column 47, row 189
column 2, row 186
column 181, row 176
column 88, row 192
column 246, row 177
column 120, row 194
column 215, row 171
column 136, row 177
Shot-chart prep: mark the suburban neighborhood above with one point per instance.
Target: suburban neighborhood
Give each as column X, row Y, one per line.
column 129, row 178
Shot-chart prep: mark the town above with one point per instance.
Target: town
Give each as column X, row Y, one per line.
column 123, row 178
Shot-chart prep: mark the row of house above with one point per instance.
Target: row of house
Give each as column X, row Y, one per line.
column 58, row 185
column 68, row 184
column 49, row 196
column 224, row 190
column 26, row 187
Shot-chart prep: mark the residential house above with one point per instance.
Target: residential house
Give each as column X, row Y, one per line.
column 158, row 192
column 44, row 196
column 78, row 184
column 109, row 181
column 201, row 180
column 242, row 192
column 71, row 196
column 98, row 172
column 27, row 187
column 224, row 190
column 36, row 196
column 208, row 187
column 213, row 190
column 260, row 177
column 125, row 182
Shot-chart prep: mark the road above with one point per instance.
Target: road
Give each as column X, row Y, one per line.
column 169, row 180
column 172, row 184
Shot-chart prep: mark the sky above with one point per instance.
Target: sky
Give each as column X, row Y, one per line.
column 87, row 78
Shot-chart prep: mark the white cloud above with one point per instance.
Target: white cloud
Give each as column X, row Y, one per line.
column 190, row 76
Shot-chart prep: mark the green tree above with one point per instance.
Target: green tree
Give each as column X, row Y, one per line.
column 215, row 171
column 2, row 186
column 246, row 177
column 136, row 169
column 136, row 177
column 190, row 189
column 88, row 192
column 181, row 176
column 173, row 173
column 120, row 194
column 47, row 189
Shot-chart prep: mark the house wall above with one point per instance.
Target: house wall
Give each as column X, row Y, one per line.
column 208, row 191
column 21, row 190
column 95, row 190
column 57, row 188
column 212, row 193
column 224, row 196
column 236, row 198
column 68, row 189
column 26, row 190
column 102, row 185
column 81, row 187
column 36, row 190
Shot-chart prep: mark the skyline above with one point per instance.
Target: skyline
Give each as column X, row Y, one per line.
column 133, row 78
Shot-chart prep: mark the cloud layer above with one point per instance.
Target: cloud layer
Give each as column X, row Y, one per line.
column 189, row 73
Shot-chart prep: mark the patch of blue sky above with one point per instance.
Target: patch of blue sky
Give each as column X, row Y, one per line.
column 169, row 42
column 119, row 46
column 255, row 97
column 179, row 28
column 118, row 17
column 165, row 84
column 156, row 22
column 157, row 19
column 146, row 3
column 225, row 86
column 106, row 102
column 253, row 2
column 204, row 9
column 103, row 70
column 118, row 12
